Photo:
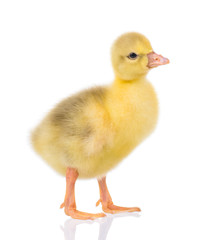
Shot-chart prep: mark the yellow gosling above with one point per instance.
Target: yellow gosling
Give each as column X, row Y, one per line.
column 89, row 133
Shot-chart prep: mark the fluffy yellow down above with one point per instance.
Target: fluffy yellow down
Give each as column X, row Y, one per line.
column 95, row 129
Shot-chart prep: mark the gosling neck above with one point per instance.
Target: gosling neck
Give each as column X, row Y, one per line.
column 118, row 82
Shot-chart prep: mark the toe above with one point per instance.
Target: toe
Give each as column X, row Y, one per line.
column 62, row 205
column 116, row 209
column 83, row 215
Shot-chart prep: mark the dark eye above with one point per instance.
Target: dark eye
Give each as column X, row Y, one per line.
column 132, row 55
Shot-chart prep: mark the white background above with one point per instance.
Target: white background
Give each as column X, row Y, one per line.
column 51, row 49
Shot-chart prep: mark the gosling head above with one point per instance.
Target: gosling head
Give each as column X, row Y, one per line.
column 132, row 56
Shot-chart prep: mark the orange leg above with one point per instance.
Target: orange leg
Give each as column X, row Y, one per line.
column 69, row 203
column 106, row 200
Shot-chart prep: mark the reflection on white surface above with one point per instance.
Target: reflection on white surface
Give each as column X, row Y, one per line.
column 105, row 223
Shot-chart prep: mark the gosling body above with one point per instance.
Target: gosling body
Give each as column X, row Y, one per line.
column 95, row 129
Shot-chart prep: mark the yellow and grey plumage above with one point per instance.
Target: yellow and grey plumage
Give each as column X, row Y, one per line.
column 93, row 130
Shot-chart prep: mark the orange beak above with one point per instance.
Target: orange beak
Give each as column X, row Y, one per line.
column 155, row 60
